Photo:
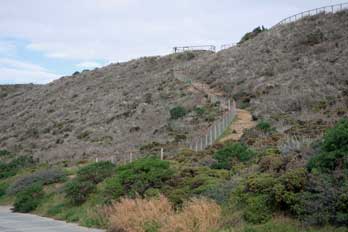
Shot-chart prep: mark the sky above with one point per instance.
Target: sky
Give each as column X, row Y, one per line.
column 42, row 40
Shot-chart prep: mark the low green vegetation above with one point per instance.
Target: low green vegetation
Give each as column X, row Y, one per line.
column 78, row 189
column 264, row 126
column 138, row 177
column 257, row 190
column 177, row 112
column 43, row 177
column 232, row 154
column 253, row 34
column 334, row 150
column 28, row 199
column 8, row 169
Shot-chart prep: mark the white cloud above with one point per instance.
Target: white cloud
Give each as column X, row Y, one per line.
column 88, row 64
column 124, row 29
column 14, row 72
column 7, row 48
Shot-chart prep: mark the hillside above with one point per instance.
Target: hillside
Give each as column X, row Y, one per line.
column 101, row 113
column 295, row 72
column 281, row 166
column 291, row 75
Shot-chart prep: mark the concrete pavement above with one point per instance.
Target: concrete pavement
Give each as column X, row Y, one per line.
column 18, row 222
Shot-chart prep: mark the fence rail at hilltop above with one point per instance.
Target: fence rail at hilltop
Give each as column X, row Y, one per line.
column 322, row 10
column 194, row 48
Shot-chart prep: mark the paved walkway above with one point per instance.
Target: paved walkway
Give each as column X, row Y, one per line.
column 18, row 222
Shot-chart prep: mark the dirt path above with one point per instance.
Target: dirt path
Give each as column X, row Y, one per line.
column 243, row 118
column 243, row 121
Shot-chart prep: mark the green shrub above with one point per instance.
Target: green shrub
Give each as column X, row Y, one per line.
column 85, row 183
column 200, row 111
column 3, row 188
column 334, row 149
column 43, row 177
column 194, row 181
column 139, row 176
column 11, row 168
column 177, row 112
column 96, row 172
column 29, row 199
column 232, row 153
column 264, row 126
column 253, row 34
column 260, row 183
column 294, row 180
column 258, row 209
column 56, row 209
column 313, row 38
column 4, row 153
column 77, row 192
column 336, row 139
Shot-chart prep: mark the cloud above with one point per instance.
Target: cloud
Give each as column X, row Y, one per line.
column 70, row 33
column 14, row 72
column 88, row 64
column 7, row 48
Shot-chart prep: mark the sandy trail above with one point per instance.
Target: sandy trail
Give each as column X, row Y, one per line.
column 243, row 121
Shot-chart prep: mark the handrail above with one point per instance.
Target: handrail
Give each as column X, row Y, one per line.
column 326, row 9
column 194, row 48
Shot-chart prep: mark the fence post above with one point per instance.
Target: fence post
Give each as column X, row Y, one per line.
column 214, row 132
column 162, row 155
column 131, row 157
column 196, row 147
column 210, row 136
column 206, row 139
column 96, row 159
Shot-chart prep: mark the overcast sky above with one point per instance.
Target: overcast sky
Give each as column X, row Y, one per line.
column 41, row 40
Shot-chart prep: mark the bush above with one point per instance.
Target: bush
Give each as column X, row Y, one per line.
column 4, row 153
column 43, row 177
column 177, row 112
column 137, row 177
column 258, row 209
column 29, row 199
column 200, row 111
column 232, row 153
column 264, row 126
column 194, row 181
column 260, row 183
column 253, row 34
column 336, row 139
column 85, row 183
column 314, row 38
column 334, row 149
column 78, row 191
column 96, row 172
column 11, row 168
column 3, row 188
column 294, row 180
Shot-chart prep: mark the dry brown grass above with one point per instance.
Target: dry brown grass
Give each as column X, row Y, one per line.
column 137, row 215
column 132, row 215
column 201, row 215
